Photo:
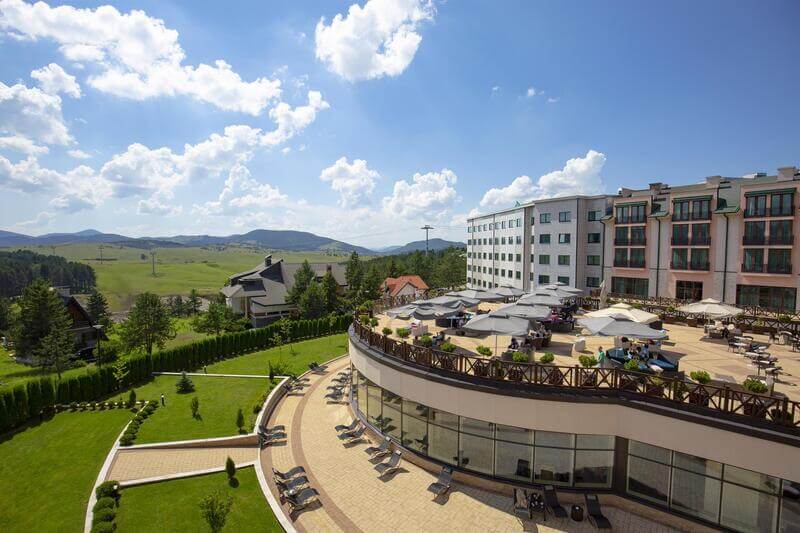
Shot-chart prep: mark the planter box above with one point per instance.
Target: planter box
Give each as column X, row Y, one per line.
column 699, row 398
column 756, row 411
column 515, row 374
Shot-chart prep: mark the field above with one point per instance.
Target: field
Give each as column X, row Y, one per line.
column 47, row 471
column 220, row 398
column 319, row 350
column 174, row 505
column 126, row 272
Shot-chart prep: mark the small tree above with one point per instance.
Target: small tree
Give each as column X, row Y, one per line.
column 215, row 508
column 217, row 319
column 230, row 468
column 240, row 420
column 286, row 334
column 195, row 405
column 121, row 373
column 193, row 302
column 132, row 398
column 303, row 278
column 184, row 384
column 148, row 324
column 311, row 303
column 98, row 308
column 56, row 347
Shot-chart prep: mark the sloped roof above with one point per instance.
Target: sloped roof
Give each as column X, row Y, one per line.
column 395, row 285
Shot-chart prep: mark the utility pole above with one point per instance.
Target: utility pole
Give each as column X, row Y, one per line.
column 153, row 258
column 427, row 228
column 101, row 254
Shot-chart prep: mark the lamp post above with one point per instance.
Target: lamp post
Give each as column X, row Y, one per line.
column 98, row 331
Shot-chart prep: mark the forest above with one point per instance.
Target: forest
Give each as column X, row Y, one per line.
column 20, row 267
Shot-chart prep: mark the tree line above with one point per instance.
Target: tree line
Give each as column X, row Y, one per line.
column 20, row 267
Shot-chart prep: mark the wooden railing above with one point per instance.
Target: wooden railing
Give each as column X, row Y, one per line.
column 777, row 413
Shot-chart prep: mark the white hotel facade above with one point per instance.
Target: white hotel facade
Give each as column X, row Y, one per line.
column 544, row 241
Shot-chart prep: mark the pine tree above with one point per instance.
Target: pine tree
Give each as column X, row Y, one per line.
column 393, row 272
column 5, row 314
column 371, row 286
column 302, row 280
column 312, row 302
column 42, row 315
column 193, row 303
column 354, row 274
column 217, row 319
column 330, row 292
column 148, row 324
column 98, row 308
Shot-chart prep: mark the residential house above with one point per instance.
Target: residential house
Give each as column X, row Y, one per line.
column 410, row 286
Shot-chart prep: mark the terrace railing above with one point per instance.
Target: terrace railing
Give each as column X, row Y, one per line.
column 778, row 413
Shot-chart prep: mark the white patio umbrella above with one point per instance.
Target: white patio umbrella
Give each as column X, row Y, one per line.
column 710, row 307
column 624, row 311
column 449, row 301
column 509, row 292
column 541, row 297
column 497, row 323
column 563, row 287
column 617, row 327
column 477, row 294
column 528, row 312
column 422, row 311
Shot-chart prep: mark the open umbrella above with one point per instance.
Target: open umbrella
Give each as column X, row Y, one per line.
column 509, row 292
column 477, row 294
column 449, row 301
column 528, row 312
column 541, row 297
column 422, row 311
column 710, row 307
column 561, row 291
column 624, row 311
column 617, row 327
column 497, row 323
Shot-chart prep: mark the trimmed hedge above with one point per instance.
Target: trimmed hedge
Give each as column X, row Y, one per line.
column 31, row 399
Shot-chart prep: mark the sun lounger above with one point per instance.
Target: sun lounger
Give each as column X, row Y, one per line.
column 379, row 451
column 391, row 466
column 522, row 503
column 315, row 367
column 289, row 474
column 595, row 513
column 302, row 499
column 551, row 502
column 351, row 437
column 350, row 427
column 442, row 484
column 291, row 484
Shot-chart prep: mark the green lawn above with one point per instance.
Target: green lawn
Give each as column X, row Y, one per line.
column 12, row 373
column 319, row 350
column 174, row 505
column 220, row 398
column 47, row 471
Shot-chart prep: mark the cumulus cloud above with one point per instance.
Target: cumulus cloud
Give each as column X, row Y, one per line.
column 78, row 154
column 137, row 55
column 431, row 194
column 17, row 143
column 353, row 181
column 580, row 175
column 42, row 219
column 242, row 193
column 154, row 206
column 54, row 80
column 379, row 39
column 32, row 113
column 531, row 92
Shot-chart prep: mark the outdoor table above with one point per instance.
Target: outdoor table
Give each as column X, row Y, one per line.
column 763, row 365
column 577, row 513
column 752, row 355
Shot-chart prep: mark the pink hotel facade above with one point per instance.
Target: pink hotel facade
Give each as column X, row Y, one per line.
column 732, row 239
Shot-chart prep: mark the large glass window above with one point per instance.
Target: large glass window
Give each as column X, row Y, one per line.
column 477, row 453
column 780, row 204
column 680, row 234
column 648, row 479
column 593, row 468
column 544, row 238
column 754, row 233
column 680, row 210
column 790, row 507
column 746, row 509
column 680, row 258
column 637, row 235
column 630, row 286
column 513, row 461
column 552, row 465
column 374, row 411
column 756, row 206
column 695, row 494
column 780, row 232
column 689, row 290
column 443, row 444
column 777, row 298
column 391, row 414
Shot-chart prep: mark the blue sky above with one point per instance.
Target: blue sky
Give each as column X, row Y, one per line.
column 395, row 114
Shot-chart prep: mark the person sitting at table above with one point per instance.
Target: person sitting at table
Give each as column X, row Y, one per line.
column 514, row 344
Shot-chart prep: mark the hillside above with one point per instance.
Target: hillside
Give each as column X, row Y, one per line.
column 433, row 245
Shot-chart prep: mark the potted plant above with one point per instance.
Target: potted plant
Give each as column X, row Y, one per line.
column 691, row 321
column 425, row 341
column 547, row 358
column 484, row 351
column 517, row 373
column 698, row 395
column 588, row 374
column 386, row 331
column 403, row 332
column 628, row 381
column 753, row 407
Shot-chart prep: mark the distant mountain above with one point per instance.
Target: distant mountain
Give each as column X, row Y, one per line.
column 433, row 244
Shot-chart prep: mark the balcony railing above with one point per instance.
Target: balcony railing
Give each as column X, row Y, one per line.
column 680, row 217
column 753, row 240
column 781, row 240
column 701, row 240
column 635, row 264
column 621, row 263
column 779, row 268
column 622, row 242
column 781, row 211
column 697, row 265
column 703, row 215
column 680, row 241
column 752, row 410
column 630, row 220
column 638, row 241
column 753, row 267
column 678, row 265
column 755, row 213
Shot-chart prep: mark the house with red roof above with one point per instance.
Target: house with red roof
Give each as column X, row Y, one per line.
column 412, row 285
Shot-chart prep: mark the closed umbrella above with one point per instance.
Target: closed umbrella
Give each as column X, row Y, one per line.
column 624, row 311
column 610, row 326
column 710, row 307
column 528, row 312
column 497, row 323
column 477, row 294
column 509, row 292
column 542, row 297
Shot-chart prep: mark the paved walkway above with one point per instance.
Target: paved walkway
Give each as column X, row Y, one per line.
column 259, row 376
column 134, row 464
column 354, row 499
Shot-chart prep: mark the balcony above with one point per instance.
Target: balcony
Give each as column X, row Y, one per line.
column 622, row 242
column 680, row 217
column 701, row 240
column 697, row 265
column 779, row 268
column 755, row 213
column 633, row 263
column 703, row 215
column 781, row 240
column 781, row 211
column 638, row 241
column 678, row 265
column 753, row 267
column 630, row 220
column 621, row 263
column 753, row 240
column 680, row 241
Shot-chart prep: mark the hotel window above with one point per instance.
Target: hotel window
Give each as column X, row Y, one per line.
column 533, row 258
column 781, row 204
column 510, row 273
column 701, row 209
column 502, row 257
column 553, row 457
column 593, row 260
column 563, row 238
column 680, row 258
column 621, row 257
column 648, row 472
column 513, row 453
column 518, row 240
column 476, row 445
column 563, row 260
column 593, row 237
column 680, row 234
column 637, row 258
column 518, row 258
column 749, row 500
column 696, row 486
column 630, row 286
column 564, row 216
column 593, row 216
column 544, row 238
column 699, row 260
column 544, row 218
column 754, row 233
column 543, row 279
column 544, row 259
column 503, row 224
column 701, row 234
column 753, row 260
column 637, row 235
column 518, row 274
column 503, row 272
column 592, row 281
column 623, row 215
column 638, row 213
column 755, row 206
column 533, row 221
column 563, row 279
column 776, row 298
column 519, row 222
column 502, row 240
column 780, row 261
column 621, row 236
column 780, row 232
column 689, row 290
column 680, row 210
column 496, row 256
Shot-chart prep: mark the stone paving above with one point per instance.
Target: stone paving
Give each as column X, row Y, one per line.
column 355, row 499
column 133, row 464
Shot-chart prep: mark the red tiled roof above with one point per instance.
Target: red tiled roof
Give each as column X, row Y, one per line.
column 395, row 285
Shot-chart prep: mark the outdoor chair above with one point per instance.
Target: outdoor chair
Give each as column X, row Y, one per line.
column 551, row 502
column 353, row 437
column 335, row 395
column 391, row 466
column 316, row 367
column 595, row 513
column 442, row 483
column 522, row 503
column 289, row 474
column 379, row 451
column 302, row 499
column 291, row 484
column 350, row 427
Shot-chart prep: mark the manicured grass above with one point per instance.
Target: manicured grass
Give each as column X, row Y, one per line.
column 12, row 373
column 175, row 505
column 319, row 350
column 220, row 398
column 47, row 471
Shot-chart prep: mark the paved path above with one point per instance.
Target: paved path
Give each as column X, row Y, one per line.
column 355, row 499
column 134, row 464
column 259, row 376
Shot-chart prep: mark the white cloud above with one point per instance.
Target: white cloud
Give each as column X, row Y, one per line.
column 17, row 143
column 32, row 113
column 353, row 181
column 495, row 89
column 53, row 80
column 138, row 56
column 242, row 193
column 431, row 194
column 291, row 121
column 78, row 154
column 580, row 175
column 153, row 206
column 285, row 150
column 531, row 92
column 42, row 219
column 553, row 99
column 379, row 39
